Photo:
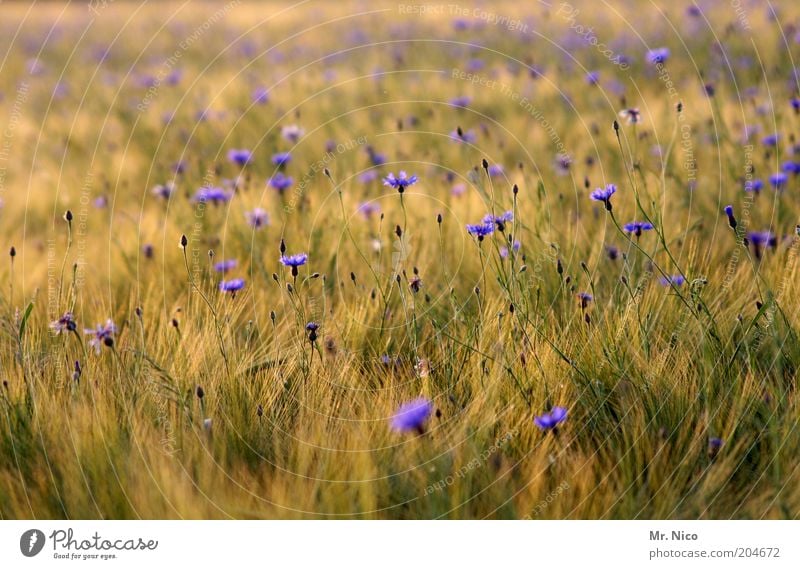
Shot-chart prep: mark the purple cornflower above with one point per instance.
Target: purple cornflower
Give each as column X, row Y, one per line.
column 257, row 218
column 778, row 180
column 552, row 419
column 585, row 299
column 281, row 182
column 103, row 334
column 225, row 265
column 612, row 252
column 65, row 323
column 400, row 182
column 480, row 230
column 462, row 101
column 376, row 158
column 368, row 176
column 770, row 140
column 714, row 444
column 292, row 132
column 495, row 170
column 631, row 116
column 791, row 167
column 164, row 190
column 604, row 195
column 753, row 186
column 368, row 209
column 458, row 135
column 795, row 102
column 232, row 286
column 240, row 157
column 411, row 416
column 260, row 95
column 498, row 220
column 214, row 195
column 514, row 248
column 658, row 55
column 593, row 78
column 312, row 328
column 676, row 280
column 760, row 240
column 281, row 159
column 294, row 261
column 636, row 227
column 731, row 219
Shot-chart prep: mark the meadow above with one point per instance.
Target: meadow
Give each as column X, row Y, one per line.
column 375, row 260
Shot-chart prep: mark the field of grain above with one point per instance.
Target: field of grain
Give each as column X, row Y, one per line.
column 383, row 260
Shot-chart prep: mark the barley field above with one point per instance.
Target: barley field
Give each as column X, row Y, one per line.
column 373, row 260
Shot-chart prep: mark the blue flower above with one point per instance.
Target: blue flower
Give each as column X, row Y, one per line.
column 411, row 416
column 65, row 323
column 604, row 195
column 459, row 135
column 593, row 78
column 257, row 218
column 636, row 227
column 676, row 280
column 753, row 186
column 260, row 95
column 778, row 180
column 281, row 182
column 240, row 157
column 495, row 170
column 212, row 194
column 400, row 182
column 164, row 190
column 103, row 334
column 791, row 167
column 659, row 55
column 297, row 260
column 226, row 265
column 281, row 158
column 770, row 140
column 585, row 299
column 731, row 219
column 462, row 101
column 498, row 220
column 552, row 419
column 514, row 248
column 232, row 285
column 480, row 230
column 376, row 158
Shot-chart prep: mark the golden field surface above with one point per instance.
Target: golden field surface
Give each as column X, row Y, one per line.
column 422, row 362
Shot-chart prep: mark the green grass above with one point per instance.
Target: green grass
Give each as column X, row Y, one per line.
column 649, row 373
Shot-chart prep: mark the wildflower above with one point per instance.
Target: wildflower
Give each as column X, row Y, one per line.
column 480, row 230
column 312, row 328
column 795, row 102
column 612, row 252
column 368, row 176
column 552, row 419
column 636, row 227
column 281, row 159
column 260, row 95
column 676, row 280
column 499, row 220
column 760, row 240
column 770, row 140
column 754, row 186
column 585, row 299
column 604, row 195
column 458, row 135
column 65, row 323
column 593, row 78
column 659, row 55
column 714, row 444
column 164, row 190
column 463, row 101
column 632, row 115
column 257, row 218
column 225, row 265
column 102, row 335
column 376, row 158
column 504, row 251
column 400, row 182
column 411, row 416
column 212, row 194
column 294, row 261
column 791, row 167
column 731, row 219
column 292, row 132
column 281, row 182
column 563, row 164
column 458, row 189
column 778, row 180
column 232, row 286
column 495, row 170
column 240, row 157
column 147, row 250
column 415, row 283
column 368, row 209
